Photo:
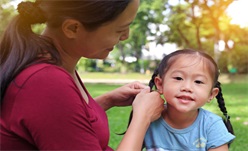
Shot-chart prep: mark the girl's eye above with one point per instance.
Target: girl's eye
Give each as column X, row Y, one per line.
column 178, row 78
column 198, row 82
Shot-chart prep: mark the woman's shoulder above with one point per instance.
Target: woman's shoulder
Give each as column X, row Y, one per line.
column 41, row 71
column 45, row 68
column 43, row 81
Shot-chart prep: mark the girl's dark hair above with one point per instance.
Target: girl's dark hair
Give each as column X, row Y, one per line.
column 168, row 60
column 20, row 46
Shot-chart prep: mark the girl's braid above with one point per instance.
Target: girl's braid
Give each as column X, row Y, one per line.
column 151, row 82
column 222, row 107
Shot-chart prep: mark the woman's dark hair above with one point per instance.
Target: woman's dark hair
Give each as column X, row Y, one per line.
column 91, row 13
column 20, row 46
column 168, row 60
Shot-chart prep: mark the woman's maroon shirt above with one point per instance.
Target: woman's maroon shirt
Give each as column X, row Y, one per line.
column 43, row 109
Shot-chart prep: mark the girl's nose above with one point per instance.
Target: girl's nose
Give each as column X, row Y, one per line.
column 186, row 87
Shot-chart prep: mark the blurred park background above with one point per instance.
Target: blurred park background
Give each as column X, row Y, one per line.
column 218, row 27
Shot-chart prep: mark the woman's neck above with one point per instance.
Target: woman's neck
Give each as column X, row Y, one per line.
column 69, row 61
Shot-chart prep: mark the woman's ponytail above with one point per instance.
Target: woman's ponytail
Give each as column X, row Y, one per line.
column 21, row 47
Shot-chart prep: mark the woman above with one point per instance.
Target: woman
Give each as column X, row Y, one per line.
column 44, row 104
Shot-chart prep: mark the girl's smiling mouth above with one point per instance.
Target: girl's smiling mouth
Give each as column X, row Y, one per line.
column 185, row 99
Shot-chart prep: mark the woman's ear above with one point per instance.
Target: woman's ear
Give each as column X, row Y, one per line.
column 70, row 28
column 213, row 94
column 159, row 84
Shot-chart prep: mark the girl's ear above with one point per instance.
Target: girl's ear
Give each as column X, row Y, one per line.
column 213, row 94
column 159, row 84
column 70, row 28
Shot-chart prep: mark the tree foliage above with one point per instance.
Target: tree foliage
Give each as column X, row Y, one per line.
column 7, row 11
column 197, row 24
column 201, row 25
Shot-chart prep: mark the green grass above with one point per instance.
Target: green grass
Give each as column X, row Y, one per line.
column 103, row 75
column 224, row 78
column 117, row 116
column 236, row 98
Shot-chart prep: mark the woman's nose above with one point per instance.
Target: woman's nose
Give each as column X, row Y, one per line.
column 124, row 36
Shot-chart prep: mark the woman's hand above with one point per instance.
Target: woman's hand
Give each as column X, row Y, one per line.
column 122, row 96
column 148, row 105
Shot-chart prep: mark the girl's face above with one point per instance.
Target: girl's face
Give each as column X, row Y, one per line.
column 99, row 43
column 188, row 84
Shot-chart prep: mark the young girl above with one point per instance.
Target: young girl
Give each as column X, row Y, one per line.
column 188, row 79
column 44, row 103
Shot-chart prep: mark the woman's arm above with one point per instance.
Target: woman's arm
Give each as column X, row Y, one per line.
column 147, row 107
column 133, row 139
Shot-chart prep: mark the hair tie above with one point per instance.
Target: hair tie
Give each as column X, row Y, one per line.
column 31, row 13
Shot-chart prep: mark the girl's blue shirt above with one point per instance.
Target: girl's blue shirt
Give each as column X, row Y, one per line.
column 208, row 131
